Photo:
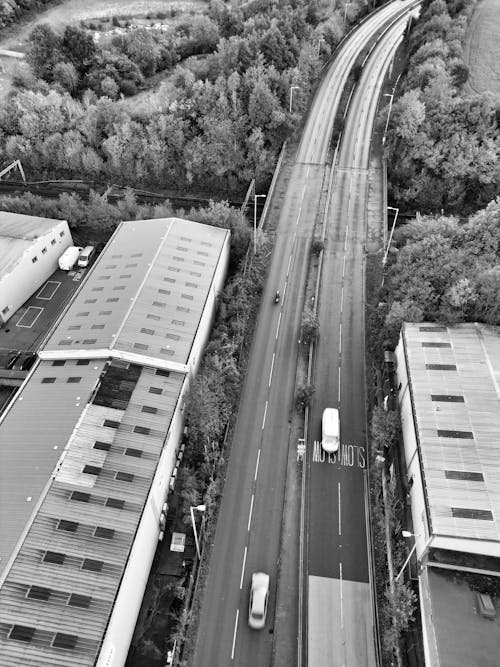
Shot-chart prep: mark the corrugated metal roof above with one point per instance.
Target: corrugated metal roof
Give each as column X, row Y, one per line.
column 145, row 298
column 74, row 549
column 33, row 434
column 99, row 491
column 17, row 234
column 457, row 438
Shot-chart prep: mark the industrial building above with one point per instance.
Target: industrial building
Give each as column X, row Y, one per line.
column 449, row 396
column 29, row 250
column 89, row 443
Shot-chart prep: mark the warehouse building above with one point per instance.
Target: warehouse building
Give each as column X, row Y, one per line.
column 449, row 397
column 88, row 446
column 29, row 250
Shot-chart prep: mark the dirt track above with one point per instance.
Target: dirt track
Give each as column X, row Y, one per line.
column 482, row 48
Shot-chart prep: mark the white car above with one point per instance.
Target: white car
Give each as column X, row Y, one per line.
column 259, row 594
column 330, row 430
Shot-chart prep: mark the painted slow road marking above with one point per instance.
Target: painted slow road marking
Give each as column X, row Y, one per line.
column 347, row 456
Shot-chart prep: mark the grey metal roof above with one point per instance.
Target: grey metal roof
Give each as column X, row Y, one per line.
column 33, row 434
column 17, row 234
column 145, row 298
column 99, row 490
column 455, row 379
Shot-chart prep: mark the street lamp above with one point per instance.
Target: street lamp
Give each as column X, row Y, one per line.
column 391, row 95
column 255, row 197
column 406, row 533
column 200, row 508
column 384, row 259
column 292, row 88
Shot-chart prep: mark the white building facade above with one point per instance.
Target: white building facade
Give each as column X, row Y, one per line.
column 29, row 249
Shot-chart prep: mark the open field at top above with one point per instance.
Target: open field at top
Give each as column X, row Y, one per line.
column 482, row 49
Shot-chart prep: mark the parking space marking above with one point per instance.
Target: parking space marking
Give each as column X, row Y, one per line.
column 54, row 286
column 29, row 314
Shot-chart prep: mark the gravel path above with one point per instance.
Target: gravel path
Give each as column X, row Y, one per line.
column 482, row 48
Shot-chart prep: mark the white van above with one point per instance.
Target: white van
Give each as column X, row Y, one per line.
column 86, row 255
column 330, row 430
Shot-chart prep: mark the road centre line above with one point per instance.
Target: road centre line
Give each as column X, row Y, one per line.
column 341, row 599
column 243, row 568
column 272, row 367
column 341, row 299
column 343, row 268
column 257, row 466
column 250, row 513
column 289, row 265
column 234, row 634
column 264, row 419
column 340, row 513
column 340, row 338
column 339, row 386
column 278, row 327
column 346, row 235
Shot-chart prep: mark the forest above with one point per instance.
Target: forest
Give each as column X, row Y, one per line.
column 443, row 144
column 219, row 123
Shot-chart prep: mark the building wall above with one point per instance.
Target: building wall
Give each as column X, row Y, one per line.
column 413, row 470
column 28, row 276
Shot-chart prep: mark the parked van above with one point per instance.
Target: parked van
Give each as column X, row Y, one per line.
column 86, row 255
column 330, row 430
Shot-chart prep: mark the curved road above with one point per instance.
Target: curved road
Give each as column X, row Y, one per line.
column 249, row 525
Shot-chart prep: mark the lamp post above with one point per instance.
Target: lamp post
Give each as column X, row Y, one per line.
column 200, row 508
column 406, row 533
column 391, row 95
column 384, row 258
column 292, row 88
column 255, row 197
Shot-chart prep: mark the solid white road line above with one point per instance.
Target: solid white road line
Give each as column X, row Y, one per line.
column 340, row 338
column 250, row 514
column 234, row 634
column 342, row 300
column 265, row 414
column 340, row 513
column 257, row 466
column 339, row 385
column 279, row 322
column 243, row 568
column 341, row 600
column 272, row 367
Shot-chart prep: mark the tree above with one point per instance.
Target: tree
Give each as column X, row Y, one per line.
column 142, row 49
column 303, row 396
column 44, row 51
column 310, row 326
column 66, row 75
column 79, row 48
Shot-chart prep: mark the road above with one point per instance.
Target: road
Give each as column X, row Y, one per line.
column 249, row 526
column 339, row 609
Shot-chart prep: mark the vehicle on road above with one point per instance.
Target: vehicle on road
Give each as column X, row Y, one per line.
column 85, row 256
column 259, row 594
column 277, row 297
column 69, row 257
column 330, row 427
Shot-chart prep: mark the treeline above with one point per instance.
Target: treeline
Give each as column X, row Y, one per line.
column 443, row 145
column 73, row 62
column 96, row 219
column 11, row 11
column 218, row 123
column 444, row 271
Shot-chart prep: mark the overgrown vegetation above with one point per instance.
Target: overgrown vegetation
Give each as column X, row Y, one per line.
column 443, row 145
column 444, row 271
column 220, row 122
column 396, row 607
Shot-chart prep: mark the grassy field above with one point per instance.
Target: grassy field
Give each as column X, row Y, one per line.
column 482, row 49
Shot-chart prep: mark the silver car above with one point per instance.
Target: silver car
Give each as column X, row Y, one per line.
column 259, row 594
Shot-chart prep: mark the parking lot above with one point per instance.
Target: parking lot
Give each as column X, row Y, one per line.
column 27, row 328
